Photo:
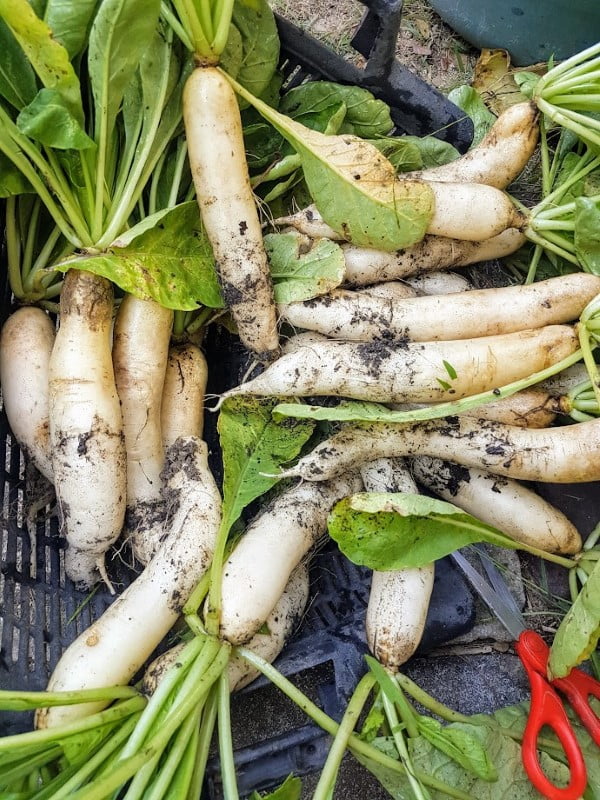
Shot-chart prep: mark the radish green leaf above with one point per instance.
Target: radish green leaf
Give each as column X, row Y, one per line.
column 301, row 272
column 254, row 446
column 48, row 120
column 387, row 531
column 578, row 633
column 167, row 257
column 70, row 22
column 47, row 56
column 17, row 78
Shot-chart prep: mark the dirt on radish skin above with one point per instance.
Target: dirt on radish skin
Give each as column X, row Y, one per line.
column 568, row 454
column 86, row 428
column 403, row 371
column 360, row 316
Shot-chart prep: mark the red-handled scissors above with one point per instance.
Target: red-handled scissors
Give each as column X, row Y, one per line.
column 546, row 707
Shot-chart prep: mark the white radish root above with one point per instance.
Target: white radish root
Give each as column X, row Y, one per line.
column 268, row 644
column 182, row 408
column 25, row 346
column 140, row 349
column 217, row 160
column 412, row 372
column 568, row 454
column 471, row 211
column 501, row 155
column 438, row 283
column 115, row 646
column 86, row 429
column 399, row 599
column 365, row 266
column 504, row 503
column 255, row 574
column 362, row 317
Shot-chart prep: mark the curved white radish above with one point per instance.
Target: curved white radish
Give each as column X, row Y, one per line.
column 268, row 643
column 501, row 155
column 398, row 599
column 86, row 429
column 218, row 164
column 362, row 317
column 182, row 408
column 255, row 574
column 412, row 372
column 140, row 348
column 115, row 646
column 365, row 266
column 25, row 346
column 504, row 503
column 568, row 454
column 471, row 211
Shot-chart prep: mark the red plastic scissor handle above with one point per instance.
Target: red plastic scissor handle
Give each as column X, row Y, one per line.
column 577, row 688
column 546, row 708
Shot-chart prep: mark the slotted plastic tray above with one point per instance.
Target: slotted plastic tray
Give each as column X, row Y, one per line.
column 41, row 612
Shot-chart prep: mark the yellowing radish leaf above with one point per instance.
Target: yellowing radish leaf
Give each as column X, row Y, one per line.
column 354, row 186
column 166, row 258
column 47, row 56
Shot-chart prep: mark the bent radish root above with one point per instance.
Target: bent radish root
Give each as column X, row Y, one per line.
column 25, row 346
column 86, row 429
column 115, row 646
column 139, row 375
column 399, row 599
column 217, row 160
column 501, row 155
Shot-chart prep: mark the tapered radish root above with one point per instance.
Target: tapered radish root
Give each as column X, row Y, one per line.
column 414, row 372
column 568, row 454
column 500, row 156
column 140, row 349
column 399, row 599
column 268, row 643
column 25, row 346
column 472, row 211
column 365, row 266
column 115, row 646
column 507, row 505
column 257, row 571
column 362, row 317
column 86, row 429
column 392, row 290
column 182, row 409
column 218, row 164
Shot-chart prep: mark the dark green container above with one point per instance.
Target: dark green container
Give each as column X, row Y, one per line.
column 531, row 30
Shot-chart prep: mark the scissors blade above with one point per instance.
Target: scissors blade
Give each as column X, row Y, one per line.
column 511, row 619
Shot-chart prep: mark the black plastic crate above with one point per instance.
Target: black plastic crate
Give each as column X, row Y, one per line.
column 41, row 612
